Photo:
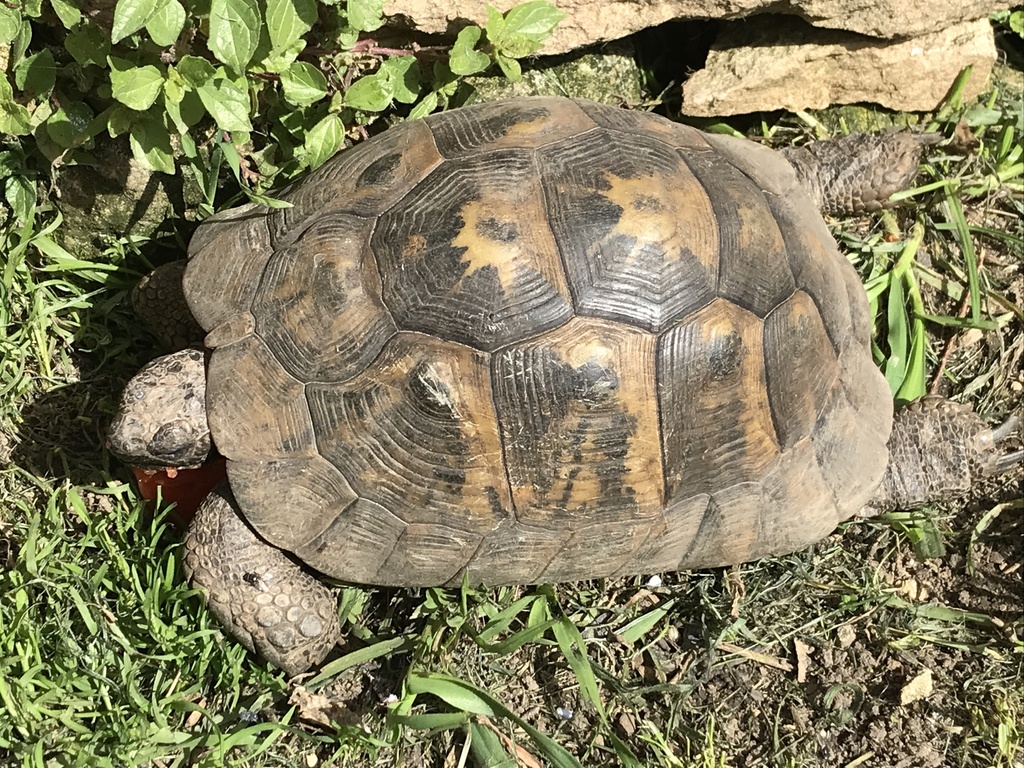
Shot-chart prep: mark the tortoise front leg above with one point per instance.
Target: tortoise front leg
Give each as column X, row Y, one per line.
column 270, row 604
column 159, row 302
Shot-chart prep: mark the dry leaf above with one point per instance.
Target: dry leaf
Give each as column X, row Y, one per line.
column 847, row 635
column 523, row 758
column 736, row 587
column 803, row 659
column 918, row 689
column 317, row 709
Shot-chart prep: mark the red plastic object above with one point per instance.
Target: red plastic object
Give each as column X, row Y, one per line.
column 185, row 487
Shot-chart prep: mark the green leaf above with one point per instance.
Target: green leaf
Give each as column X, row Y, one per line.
column 88, row 45
column 20, row 194
column 453, row 692
column 323, row 140
column 119, row 120
column 186, row 112
column 366, row 15
column 509, row 67
column 495, row 24
column 14, row 118
column 643, row 624
column 195, row 71
column 288, row 21
column 533, row 20
column 37, row 73
column 10, row 23
column 11, row 163
column 68, row 13
column 166, row 24
column 151, row 145
column 427, row 105
column 370, row 94
column 227, row 103
column 303, row 84
column 135, row 87
column 1016, row 22
column 430, row 721
column 464, row 59
column 130, row 16
column 68, row 123
column 403, row 76
column 898, row 336
column 468, row 698
column 234, row 32
column 573, row 647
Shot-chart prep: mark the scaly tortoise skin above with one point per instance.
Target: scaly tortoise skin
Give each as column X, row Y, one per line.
column 531, row 341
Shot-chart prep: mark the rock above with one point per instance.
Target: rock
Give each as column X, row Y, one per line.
column 610, row 77
column 592, row 21
column 772, row 64
column 114, row 196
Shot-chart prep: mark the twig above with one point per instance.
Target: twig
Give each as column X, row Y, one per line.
column 760, row 658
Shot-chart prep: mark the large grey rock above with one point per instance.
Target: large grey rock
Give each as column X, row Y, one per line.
column 770, row 65
column 591, row 21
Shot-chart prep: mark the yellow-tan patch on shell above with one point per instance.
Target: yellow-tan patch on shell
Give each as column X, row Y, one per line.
column 484, row 250
column 651, row 214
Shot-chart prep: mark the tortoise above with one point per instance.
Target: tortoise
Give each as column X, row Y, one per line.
column 529, row 341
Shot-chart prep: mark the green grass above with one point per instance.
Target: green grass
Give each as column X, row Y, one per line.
column 107, row 658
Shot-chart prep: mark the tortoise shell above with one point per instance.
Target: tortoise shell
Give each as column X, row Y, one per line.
column 539, row 340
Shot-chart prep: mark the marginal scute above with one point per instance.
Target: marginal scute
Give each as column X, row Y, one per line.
column 672, row 536
column 515, row 553
column 256, row 410
column 717, row 428
column 770, row 170
column 635, row 228
column 851, row 453
column 468, row 255
column 729, row 529
column 577, row 408
column 867, row 391
column 606, row 546
column 226, row 258
column 519, row 124
column 417, row 434
column 319, row 307
column 363, row 181
column 797, row 508
column 429, row 553
column 818, row 269
column 356, row 544
column 313, row 493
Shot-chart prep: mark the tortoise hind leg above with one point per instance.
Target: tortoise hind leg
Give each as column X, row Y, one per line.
column 859, row 172
column 270, row 604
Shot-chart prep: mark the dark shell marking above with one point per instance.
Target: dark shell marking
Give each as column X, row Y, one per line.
column 539, row 340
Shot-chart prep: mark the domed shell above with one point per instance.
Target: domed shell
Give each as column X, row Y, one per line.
column 538, row 340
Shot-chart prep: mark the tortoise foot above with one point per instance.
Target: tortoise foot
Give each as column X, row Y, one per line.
column 270, row 604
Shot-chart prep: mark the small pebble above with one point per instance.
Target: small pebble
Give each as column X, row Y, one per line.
column 564, row 712
column 654, row 581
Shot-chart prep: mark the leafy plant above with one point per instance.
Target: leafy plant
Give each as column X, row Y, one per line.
column 269, row 87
